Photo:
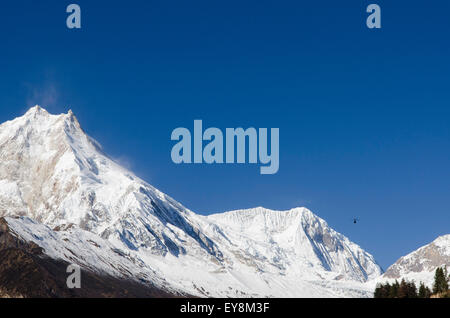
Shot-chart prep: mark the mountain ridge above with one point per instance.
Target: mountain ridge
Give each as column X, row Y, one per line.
column 420, row 264
column 54, row 173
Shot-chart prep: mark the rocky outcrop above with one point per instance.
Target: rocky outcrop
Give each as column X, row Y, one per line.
column 25, row 271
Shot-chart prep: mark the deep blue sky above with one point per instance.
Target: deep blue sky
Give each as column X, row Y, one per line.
column 364, row 115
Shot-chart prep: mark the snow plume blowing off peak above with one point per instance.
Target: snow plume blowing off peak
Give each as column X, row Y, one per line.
column 55, row 174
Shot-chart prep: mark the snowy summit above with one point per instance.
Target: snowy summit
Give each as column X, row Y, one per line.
column 70, row 196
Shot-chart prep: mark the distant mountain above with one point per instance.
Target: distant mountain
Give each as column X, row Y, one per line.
column 61, row 192
column 421, row 264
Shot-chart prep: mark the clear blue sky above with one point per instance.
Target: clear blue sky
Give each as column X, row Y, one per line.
column 364, row 115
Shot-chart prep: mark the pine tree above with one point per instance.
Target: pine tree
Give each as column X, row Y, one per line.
column 386, row 290
column 424, row 291
column 378, row 291
column 403, row 290
column 382, row 291
column 446, row 279
column 407, row 290
column 440, row 281
column 428, row 292
column 436, row 280
column 412, row 290
column 393, row 290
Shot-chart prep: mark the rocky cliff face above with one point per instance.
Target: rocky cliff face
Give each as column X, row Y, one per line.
column 421, row 264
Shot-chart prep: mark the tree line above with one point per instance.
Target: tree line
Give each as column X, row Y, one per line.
column 406, row 289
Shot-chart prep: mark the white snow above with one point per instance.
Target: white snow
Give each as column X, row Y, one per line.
column 420, row 265
column 52, row 172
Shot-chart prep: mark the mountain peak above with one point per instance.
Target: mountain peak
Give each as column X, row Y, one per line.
column 54, row 173
column 40, row 117
column 35, row 111
column 421, row 264
column 73, row 119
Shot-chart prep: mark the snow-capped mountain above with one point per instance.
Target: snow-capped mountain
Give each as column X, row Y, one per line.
column 420, row 265
column 53, row 173
column 291, row 242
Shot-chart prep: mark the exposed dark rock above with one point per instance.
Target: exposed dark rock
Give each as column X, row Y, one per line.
column 25, row 271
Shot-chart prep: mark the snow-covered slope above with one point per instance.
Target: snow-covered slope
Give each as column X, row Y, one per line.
column 292, row 242
column 52, row 172
column 420, row 265
column 86, row 249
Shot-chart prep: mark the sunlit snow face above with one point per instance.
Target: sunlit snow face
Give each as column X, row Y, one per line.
column 54, row 173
